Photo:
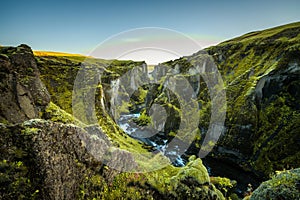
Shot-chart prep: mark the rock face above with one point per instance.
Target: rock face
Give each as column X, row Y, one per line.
column 262, row 73
column 46, row 160
column 23, row 95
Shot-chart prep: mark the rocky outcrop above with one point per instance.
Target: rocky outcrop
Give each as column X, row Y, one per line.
column 49, row 160
column 192, row 182
column 23, row 95
column 46, row 160
column 188, row 182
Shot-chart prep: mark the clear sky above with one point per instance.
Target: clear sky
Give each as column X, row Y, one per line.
column 78, row 26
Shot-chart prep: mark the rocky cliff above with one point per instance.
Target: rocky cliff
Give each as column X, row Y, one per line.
column 260, row 71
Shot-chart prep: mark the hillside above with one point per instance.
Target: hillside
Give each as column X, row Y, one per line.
column 260, row 72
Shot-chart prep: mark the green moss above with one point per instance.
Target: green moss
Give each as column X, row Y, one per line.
column 277, row 31
column 139, row 96
column 194, row 169
column 284, row 185
column 56, row 114
column 124, row 108
column 192, row 182
column 4, row 121
column 277, row 138
column 123, row 186
column 143, row 119
column 160, row 179
column 29, row 131
column 15, row 181
column 118, row 137
column 189, row 182
column 172, row 134
column 223, row 184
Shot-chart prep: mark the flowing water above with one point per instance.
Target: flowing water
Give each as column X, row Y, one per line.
column 214, row 167
column 161, row 144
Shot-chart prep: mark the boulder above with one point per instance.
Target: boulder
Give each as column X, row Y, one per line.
column 283, row 186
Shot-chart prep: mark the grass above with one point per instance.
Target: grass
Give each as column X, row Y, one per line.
column 262, row 34
column 58, row 54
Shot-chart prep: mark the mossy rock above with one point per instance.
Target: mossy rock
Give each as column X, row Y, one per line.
column 283, row 186
column 192, row 182
column 225, row 185
column 56, row 114
column 194, row 169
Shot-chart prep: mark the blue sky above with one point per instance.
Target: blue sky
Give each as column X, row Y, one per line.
column 78, row 26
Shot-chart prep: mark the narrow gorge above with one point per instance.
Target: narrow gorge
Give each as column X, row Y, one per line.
column 74, row 127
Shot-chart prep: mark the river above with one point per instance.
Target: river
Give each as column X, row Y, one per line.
column 222, row 168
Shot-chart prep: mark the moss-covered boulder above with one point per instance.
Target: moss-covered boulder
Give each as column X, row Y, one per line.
column 192, row 182
column 189, row 182
column 283, row 186
column 225, row 185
